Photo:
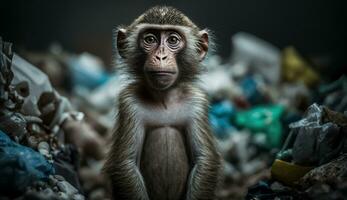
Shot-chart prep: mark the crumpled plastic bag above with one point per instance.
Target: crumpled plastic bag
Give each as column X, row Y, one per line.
column 263, row 120
column 37, row 83
column 319, row 137
column 220, row 118
column 20, row 166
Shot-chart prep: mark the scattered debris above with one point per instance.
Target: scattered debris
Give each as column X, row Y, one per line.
column 60, row 120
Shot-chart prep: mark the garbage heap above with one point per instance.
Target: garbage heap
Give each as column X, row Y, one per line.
column 258, row 100
column 41, row 135
column 259, row 97
column 313, row 161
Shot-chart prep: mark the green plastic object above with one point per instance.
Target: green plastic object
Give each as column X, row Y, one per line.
column 263, row 120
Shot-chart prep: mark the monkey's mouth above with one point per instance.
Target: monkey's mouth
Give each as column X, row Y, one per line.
column 161, row 73
column 161, row 79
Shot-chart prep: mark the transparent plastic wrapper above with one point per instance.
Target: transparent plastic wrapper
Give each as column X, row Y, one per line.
column 319, row 137
column 36, row 83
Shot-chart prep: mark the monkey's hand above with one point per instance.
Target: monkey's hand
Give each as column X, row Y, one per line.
column 127, row 182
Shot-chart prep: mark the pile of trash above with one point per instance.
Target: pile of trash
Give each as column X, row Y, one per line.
column 42, row 137
column 258, row 99
column 312, row 163
column 276, row 142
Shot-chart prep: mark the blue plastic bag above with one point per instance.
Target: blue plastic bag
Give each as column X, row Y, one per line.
column 220, row 118
column 20, row 166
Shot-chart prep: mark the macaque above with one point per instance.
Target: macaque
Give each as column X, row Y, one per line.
column 162, row 147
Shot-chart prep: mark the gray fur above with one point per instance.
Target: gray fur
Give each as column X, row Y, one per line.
column 184, row 117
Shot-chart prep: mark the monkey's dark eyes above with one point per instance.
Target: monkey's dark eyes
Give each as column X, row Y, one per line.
column 150, row 39
column 173, row 40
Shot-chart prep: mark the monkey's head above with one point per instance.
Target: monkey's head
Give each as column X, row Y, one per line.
column 162, row 47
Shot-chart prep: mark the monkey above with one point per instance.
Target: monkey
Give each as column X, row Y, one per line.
column 162, row 145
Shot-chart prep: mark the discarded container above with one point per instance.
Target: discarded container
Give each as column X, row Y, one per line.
column 288, row 173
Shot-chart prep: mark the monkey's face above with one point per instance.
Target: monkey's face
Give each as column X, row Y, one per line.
column 161, row 48
column 162, row 55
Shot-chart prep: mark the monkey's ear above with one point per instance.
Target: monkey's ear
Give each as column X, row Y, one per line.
column 121, row 41
column 203, row 43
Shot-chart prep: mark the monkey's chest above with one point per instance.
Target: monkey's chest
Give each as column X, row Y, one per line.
column 164, row 163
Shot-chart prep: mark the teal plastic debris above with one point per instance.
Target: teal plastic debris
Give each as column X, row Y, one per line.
column 264, row 120
column 20, row 166
column 220, row 117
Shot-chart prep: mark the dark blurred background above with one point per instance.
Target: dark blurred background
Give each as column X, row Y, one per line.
column 255, row 94
column 314, row 27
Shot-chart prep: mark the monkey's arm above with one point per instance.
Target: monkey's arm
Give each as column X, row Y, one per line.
column 205, row 172
column 127, row 181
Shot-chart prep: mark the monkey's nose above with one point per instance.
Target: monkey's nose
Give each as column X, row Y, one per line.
column 161, row 57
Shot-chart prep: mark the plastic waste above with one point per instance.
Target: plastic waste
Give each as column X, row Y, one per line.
column 263, row 120
column 87, row 71
column 20, row 166
column 318, row 137
column 252, row 90
column 259, row 56
column 296, row 69
column 220, row 117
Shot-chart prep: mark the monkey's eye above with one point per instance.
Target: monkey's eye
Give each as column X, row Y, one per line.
column 150, row 39
column 173, row 40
